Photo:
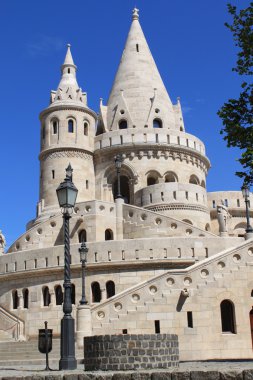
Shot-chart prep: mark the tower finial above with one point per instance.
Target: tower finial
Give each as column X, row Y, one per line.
column 135, row 15
column 68, row 59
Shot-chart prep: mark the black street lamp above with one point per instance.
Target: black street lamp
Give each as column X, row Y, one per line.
column 118, row 163
column 67, row 193
column 83, row 259
column 246, row 193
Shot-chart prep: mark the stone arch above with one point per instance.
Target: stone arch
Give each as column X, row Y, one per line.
column 95, row 292
column 58, row 294
column 54, row 122
column 240, row 228
column 153, row 177
column 128, row 177
column 86, row 126
column 203, row 184
column 194, row 179
column 170, row 177
column 227, row 311
column 46, row 296
column 108, row 234
column 15, row 299
column 25, row 293
column 110, row 289
column 82, row 236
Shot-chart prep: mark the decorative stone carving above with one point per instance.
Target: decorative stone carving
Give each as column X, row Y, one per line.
column 222, row 216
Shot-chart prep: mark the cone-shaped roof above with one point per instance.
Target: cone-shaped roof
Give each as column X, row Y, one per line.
column 68, row 90
column 139, row 81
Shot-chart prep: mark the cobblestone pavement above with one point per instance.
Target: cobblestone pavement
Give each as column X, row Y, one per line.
column 37, row 371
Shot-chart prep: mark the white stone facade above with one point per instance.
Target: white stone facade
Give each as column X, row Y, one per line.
column 158, row 259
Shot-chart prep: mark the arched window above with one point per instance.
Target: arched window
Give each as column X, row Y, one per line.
column 194, row 179
column 227, row 316
column 203, row 184
column 187, row 221
column 157, row 123
column 96, row 292
column 108, row 234
column 251, row 295
column 15, row 300
column 58, row 295
column 70, row 126
column 122, row 124
column 86, row 128
column 55, row 127
column 82, row 236
column 25, row 298
column 170, row 177
column 110, row 289
column 73, row 294
column 151, row 181
column 46, row 296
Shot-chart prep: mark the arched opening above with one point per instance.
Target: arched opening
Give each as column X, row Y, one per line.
column 203, row 184
column 110, row 289
column 239, row 229
column 157, row 123
column 25, row 298
column 123, row 124
column 151, row 181
column 58, row 295
column 73, row 294
column 227, row 317
column 96, row 292
column 85, row 128
column 108, row 234
column 124, row 188
column 70, row 126
column 15, row 300
column 251, row 324
column 55, row 127
column 194, row 179
column 82, row 236
column 171, row 177
column 46, row 296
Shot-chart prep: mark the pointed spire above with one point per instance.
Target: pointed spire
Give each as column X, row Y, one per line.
column 68, row 90
column 137, row 76
column 68, row 59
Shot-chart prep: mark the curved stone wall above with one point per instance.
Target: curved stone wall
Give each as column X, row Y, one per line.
column 130, row 351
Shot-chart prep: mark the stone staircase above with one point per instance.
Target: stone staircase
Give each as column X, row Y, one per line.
column 27, row 353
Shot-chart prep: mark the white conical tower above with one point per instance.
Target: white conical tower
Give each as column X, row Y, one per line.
column 67, row 136
column 138, row 94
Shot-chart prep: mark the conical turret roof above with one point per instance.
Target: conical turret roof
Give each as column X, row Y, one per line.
column 138, row 90
column 68, row 91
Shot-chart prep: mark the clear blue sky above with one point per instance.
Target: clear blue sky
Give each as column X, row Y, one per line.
column 193, row 50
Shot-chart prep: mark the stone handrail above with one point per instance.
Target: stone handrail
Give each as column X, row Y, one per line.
column 11, row 323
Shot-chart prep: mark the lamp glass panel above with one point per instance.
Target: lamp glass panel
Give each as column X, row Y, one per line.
column 72, row 194
column 62, row 197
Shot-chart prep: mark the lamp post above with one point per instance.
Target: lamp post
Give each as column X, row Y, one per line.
column 118, row 163
column 67, row 193
column 83, row 259
column 245, row 193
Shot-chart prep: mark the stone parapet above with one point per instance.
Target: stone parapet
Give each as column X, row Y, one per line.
column 130, row 351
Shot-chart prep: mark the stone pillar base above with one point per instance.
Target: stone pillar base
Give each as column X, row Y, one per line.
column 83, row 328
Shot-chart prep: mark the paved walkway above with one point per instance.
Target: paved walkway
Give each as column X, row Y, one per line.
column 38, row 370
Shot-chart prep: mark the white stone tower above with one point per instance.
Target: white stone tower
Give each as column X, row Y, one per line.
column 67, row 135
column 165, row 168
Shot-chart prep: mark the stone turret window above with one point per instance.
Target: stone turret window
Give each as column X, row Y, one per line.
column 108, row 234
column 110, row 289
column 96, row 292
column 70, row 126
column 157, row 123
column 85, row 128
column 58, row 295
column 15, row 300
column 171, row 177
column 25, row 293
column 194, row 179
column 55, row 127
column 46, row 296
column 122, row 124
column 82, row 236
column 227, row 311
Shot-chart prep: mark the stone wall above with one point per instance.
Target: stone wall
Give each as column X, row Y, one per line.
column 130, row 351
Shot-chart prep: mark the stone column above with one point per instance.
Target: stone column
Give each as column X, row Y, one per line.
column 20, row 301
column 119, row 218
column 52, row 298
column 83, row 323
column 103, row 294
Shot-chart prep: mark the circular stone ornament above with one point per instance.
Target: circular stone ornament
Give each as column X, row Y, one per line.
column 135, row 297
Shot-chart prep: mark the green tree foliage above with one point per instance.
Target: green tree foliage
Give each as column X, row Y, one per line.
column 237, row 114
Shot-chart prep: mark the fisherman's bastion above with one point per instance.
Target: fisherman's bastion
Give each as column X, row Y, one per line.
column 166, row 257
